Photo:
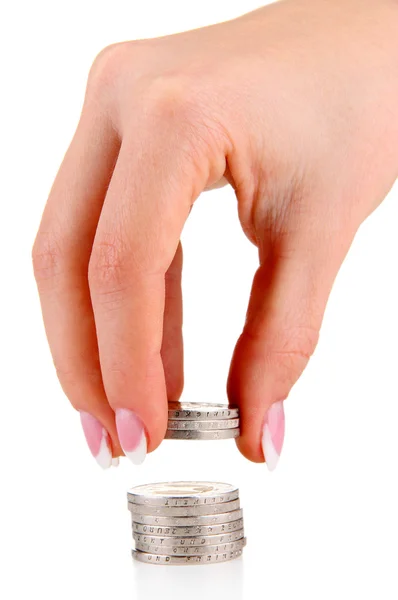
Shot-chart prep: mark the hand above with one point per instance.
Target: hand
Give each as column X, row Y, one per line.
column 296, row 105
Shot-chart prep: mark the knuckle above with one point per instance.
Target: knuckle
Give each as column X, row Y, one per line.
column 177, row 99
column 181, row 108
column 117, row 375
column 47, row 257
column 110, row 67
column 287, row 351
column 105, row 65
column 107, row 270
column 292, row 351
column 144, row 368
column 298, row 341
column 78, row 381
column 168, row 93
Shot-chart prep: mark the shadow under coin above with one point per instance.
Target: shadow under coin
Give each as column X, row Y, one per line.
column 213, row 582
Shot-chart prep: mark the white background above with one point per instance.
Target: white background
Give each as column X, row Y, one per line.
column 324, row 524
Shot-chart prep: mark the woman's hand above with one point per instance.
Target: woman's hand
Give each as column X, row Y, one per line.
column 296, row 105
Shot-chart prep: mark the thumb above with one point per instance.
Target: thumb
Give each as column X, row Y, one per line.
column 287, row 303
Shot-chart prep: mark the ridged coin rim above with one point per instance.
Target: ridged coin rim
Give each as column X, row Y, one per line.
column 201, row 411
column 197, row 425
column 201, row 492
column 186, row 434
column 191, row 550
column 186, row 531
column 184, row 511
column 188, row 521
column 157, row 559
column 198, row 540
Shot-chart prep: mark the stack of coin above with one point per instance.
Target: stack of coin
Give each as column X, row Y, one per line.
column 197, row 421
column 186, row 522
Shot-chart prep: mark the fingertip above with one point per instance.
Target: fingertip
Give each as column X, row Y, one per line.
column 132, row 435
column 250, row 447
column 98, row 439
column 250, row 450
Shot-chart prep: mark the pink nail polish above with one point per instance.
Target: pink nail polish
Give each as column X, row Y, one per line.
column 273, row 434
column 131, row 434
column 98, row 439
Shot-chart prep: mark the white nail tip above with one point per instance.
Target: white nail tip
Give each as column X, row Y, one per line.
column 270, row 454
column 104, row 456
column 137, row 456
column 115, row 462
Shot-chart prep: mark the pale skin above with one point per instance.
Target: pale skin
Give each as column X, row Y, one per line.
column 296, row 106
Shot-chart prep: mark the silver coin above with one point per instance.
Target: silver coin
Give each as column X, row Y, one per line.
column 183, row 493
column 188, row 530
column 222, row 434
column 157, row 541
column 158, row 559
column 187, row 521
column 191, row 550
column 180, row 425
column 183, row 511
column 200, row 411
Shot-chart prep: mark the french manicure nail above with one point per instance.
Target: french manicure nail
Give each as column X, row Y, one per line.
column 131, row 434
column 273, row 434
column 98, row 439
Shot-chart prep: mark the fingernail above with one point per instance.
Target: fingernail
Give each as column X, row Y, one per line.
column 131, row 435
column 273, row 434
column 115, row 462
column 98, row 439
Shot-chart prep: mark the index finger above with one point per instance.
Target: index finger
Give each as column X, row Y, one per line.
column 149, row 199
